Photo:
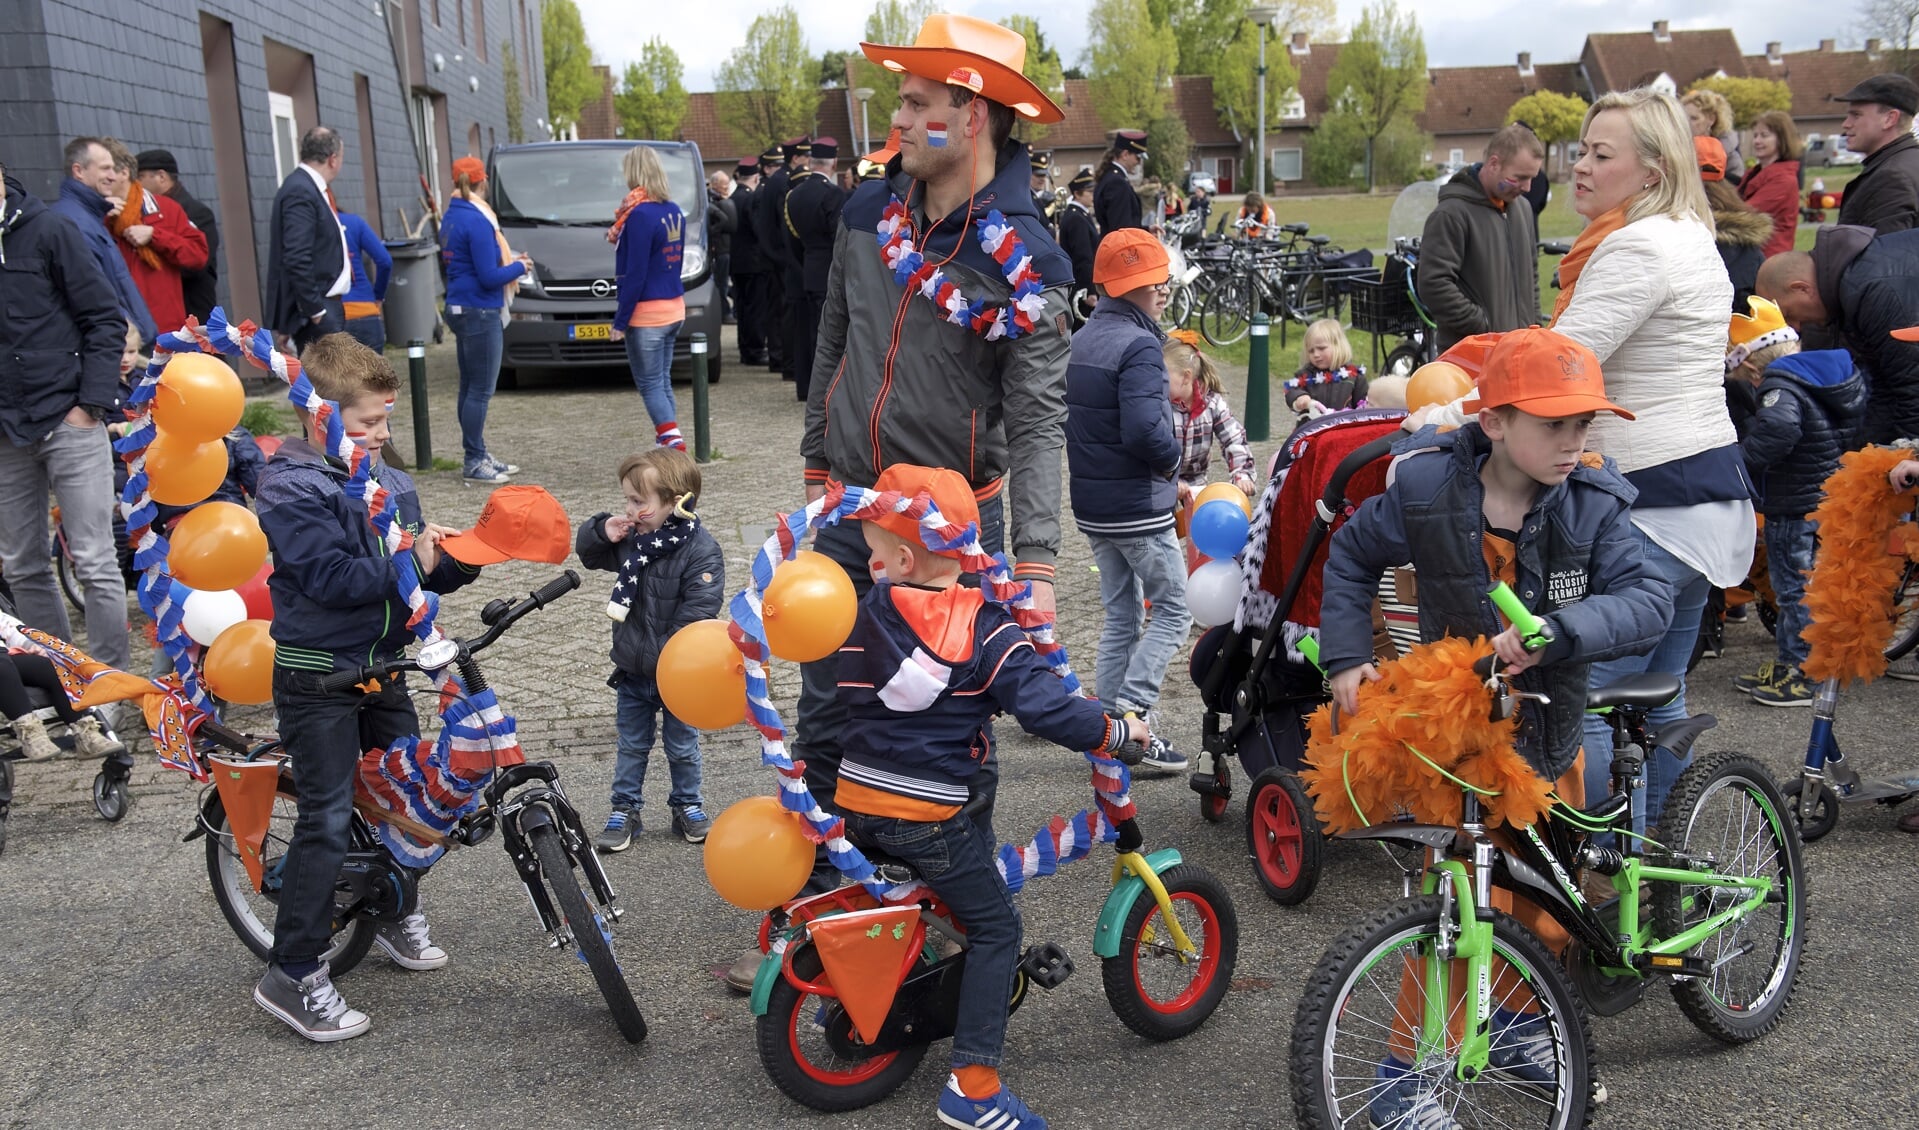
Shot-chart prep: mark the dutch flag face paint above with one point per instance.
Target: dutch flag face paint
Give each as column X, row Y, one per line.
column 936, row 134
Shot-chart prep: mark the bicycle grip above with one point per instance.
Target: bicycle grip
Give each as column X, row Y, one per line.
column 1530, row 628
column 344, row 680
column 556, row 588
column 1483, row 666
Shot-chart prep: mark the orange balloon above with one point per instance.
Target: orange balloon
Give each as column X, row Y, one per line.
column 239, row 664
column 1438, row 382
column 1227, row 491
column 181, row 472
column 199, row 398
column 809, row 607
column 757, row 854
column 702, row 676
column 216, row 546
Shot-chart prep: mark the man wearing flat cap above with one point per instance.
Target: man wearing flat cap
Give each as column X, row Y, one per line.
column 1885, row 194
column 1116, row 194
column 813, row 205
column 160, row 175
column 769, row 220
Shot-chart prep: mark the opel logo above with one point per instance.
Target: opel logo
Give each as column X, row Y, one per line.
column 602, row 288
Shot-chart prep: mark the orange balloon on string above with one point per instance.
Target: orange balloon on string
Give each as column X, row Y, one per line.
column 181, row 472
column 216, row 546
column 702, row 676
column 1227, row 491
column 199, row 398
column 757, row 854
column 1437, row 382
column 239, row 664
column 809, row 607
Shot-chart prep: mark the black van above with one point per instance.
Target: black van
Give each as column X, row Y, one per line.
column 555, row 201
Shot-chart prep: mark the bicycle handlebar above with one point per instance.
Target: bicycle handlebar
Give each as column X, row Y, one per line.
column 497, row 625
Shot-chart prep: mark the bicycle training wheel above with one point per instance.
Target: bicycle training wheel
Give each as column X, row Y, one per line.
column 1152, row 990
column 250, row 912
column 1405, row 358
column 1726, row 808
column 810, row 1050
column 590, row 932
column 1358, row 1058
column 1227, row 313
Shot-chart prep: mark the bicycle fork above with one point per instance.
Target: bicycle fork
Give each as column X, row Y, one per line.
column 548, row 808
column 1465, row 933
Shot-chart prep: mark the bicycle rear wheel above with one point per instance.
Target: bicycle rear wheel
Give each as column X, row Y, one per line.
column 251, row 913
column 589, row 930
column 1227, row 313
column 1727, row 808
column 810, row 1050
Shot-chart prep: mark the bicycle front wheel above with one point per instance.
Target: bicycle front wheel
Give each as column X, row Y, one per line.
column 1153, row 990
column 590, row 932
column 1179, row 307
column 1359, row 1057
column 1726, row 808
column 1227, row 313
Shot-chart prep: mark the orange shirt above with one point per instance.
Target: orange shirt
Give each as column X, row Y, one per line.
column 658, row 312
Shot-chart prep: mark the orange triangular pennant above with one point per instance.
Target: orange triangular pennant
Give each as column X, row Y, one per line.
column 247, row 789
column 865, row 954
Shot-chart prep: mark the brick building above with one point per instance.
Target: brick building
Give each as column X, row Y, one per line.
column 229, row 86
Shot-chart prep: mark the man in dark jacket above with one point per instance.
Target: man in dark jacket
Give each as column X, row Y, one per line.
column 1885, row 194
column 160, row 174
column 813, row 206
column 307, row 271
column 1859, row 290
column 83, row 200
column 1045, row 200
column 1478, row 259
column 1115, row 196
column 722, row 220
column 61, row 334
column 749, row 271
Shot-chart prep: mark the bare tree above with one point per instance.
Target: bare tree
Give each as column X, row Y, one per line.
column 1895, row 23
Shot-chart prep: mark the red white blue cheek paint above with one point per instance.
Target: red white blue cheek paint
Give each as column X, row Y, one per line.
column 936, row 134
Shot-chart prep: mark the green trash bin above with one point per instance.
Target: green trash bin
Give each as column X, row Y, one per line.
column 412, row 306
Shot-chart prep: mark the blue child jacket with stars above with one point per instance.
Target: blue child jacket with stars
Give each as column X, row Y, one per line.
column 687, row 584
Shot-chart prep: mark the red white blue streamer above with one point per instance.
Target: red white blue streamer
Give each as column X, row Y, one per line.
column 998, row 239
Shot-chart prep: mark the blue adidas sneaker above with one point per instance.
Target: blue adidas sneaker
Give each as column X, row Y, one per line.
column 1003, row 1111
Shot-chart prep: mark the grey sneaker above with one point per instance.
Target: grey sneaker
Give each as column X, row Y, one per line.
column 692, row 823
column 407, row 943
column 1524, row 1051
column 501, row 465
column 35, row 744
column 310, row 1006
column 1408, row 1102
column 484, row 474
column 741, row 976
column 621, row 826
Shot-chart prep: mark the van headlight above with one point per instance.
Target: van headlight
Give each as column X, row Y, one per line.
column 693, row 262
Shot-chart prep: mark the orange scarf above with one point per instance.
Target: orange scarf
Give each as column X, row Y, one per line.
column 131, row 214
column 634, row 198
column 1582, row 249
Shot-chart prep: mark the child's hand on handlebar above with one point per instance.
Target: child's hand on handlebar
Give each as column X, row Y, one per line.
column 1905, row 475
column 1346, row 686
column 1511, row 649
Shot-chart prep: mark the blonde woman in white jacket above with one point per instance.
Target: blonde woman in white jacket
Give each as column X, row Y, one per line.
column 1645, row 290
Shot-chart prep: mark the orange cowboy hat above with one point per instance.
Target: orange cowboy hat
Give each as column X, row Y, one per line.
column 983, row 57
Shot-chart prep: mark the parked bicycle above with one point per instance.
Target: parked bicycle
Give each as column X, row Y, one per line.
column 1293, row 279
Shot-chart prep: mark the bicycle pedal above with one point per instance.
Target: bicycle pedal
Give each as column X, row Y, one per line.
column 1679, row 965
column 1046, row 965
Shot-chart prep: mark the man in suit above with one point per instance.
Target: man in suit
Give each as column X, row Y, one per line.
column 308, row 274
column 160, row 175
column 813, row 205
column 749, row 273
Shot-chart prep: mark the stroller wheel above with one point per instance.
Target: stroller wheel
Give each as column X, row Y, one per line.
column 111, row 798
column 1284, row 837
column 1213, row 808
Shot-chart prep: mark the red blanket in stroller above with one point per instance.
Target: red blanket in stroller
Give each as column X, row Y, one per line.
column 1295, row 508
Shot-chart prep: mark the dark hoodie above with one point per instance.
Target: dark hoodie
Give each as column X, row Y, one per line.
column 1742, row 235
column 1870, row 287
column 1478, row 263
column 1811, row 409
column 60, row 329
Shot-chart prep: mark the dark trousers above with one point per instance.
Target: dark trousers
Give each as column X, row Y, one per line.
column 325, row 734
column 19, row 672
column 749, row 312
column 773, row 320
column 332, row 321
column 370, row 332
column 722, row 279
column 807, row 336
column 792, row 317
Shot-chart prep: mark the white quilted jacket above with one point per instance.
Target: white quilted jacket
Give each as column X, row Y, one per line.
column 1653, row 303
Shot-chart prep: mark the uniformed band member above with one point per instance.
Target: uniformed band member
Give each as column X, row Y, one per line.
column 749, row 273
column 1079, row 238
column 813, row 203
column 1115, row 197
column 1045, row 200
column 769, row 213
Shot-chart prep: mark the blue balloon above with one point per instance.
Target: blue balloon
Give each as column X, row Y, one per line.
column 1218, row 529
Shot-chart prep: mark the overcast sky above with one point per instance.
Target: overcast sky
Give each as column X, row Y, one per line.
column 1485, row 32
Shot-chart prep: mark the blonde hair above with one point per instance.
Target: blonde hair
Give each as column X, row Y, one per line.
column 1187, row 358
column 642, row 168
column 1761, row 359
column 678, row 475
column 1329, row 330
column 1662, row 141
column 1387, row 392
column 1716, row 108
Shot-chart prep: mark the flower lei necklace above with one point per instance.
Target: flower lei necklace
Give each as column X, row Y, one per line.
column 998, row 239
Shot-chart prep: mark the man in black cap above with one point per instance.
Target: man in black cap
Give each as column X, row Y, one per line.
column 1885, row 194
column 813, row 205
column 1116, row 196
column 1045, row 200
column 769, row 217
column 1079, row 238
column 160, row 174
column 749, row 272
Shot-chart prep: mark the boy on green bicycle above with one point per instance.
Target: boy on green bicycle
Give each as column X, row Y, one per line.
column 1508, row 497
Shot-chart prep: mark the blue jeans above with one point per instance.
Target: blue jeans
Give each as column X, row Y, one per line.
column 1789, row 549
column 1132, row 663
column 955, row 857
column 637, row 702
column 477, row 336
column 369, row 331
column 1670, row 656
column 649, row 354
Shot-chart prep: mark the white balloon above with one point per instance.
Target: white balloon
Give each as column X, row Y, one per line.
column 207, row 614
column 1212, row 593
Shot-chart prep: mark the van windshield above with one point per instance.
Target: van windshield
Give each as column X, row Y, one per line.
column 583, row 184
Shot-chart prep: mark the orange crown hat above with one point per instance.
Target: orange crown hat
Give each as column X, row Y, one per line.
column 982, row 57
column 1544, row 374
column 1763, row 328
column 521, row 523
column 950, row 492
column 1129, row 258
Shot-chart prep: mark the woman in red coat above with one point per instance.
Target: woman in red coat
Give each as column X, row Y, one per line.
column 155, row 238
column 1772, row 186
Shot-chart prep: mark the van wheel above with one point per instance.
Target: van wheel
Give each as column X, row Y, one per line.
column 713, row 367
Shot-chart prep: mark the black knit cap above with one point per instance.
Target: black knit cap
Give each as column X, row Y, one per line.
column 160, row 159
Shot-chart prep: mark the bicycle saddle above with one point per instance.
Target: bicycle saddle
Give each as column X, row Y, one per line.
column 1319, row 240
column 1645, row 690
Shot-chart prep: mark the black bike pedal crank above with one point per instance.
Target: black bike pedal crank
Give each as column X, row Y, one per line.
column 1046, row 965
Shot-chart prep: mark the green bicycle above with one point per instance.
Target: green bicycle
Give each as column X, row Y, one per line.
column 1441, row 1010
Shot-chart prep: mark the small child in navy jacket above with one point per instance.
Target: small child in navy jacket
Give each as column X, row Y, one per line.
column 928, row 665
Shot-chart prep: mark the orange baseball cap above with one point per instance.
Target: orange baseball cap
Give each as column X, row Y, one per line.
column 1910, row 333
column 521, row 523
column 1129, row 259
column 472, row 168
column 949, row 489
column 1711, row 156
column 1543, row 374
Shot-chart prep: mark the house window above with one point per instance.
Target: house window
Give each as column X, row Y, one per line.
column 479, row 29
column 1665, row 85
column 1294, row 108
column 286, row 134
column 1288, row 164
column 1456, row 156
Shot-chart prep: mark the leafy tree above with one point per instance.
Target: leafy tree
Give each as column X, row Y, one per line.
column 890, row 21
column 1205, row 29
column 1042, row 67
column 1236, row 80
column 515, row 95
column 1168, row 148
column 1337, row 154
column 769, row 86
column 570, row 80
column 1751, row 97
column 1379, row 79
column 1130, row 61
column 1554, row 117
column 833, row 69
column 652, row 100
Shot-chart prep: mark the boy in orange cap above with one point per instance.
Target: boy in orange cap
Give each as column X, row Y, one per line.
column 1122, row 456
column 928, row 665
column 1508, row 498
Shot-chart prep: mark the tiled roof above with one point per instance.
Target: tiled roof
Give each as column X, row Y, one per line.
column 1623, row 60
column 1815, row 76
column 1475, row 99
column 703, row 127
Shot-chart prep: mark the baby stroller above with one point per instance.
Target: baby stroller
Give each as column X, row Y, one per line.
column 1258, row 676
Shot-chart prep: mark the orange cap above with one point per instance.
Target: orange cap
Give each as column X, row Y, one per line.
column 472, row 168
column 1543, row 374
column 1910, row 333
column 1128, row 259
column 950, row 492
column 523, row 523
column 1711, row 157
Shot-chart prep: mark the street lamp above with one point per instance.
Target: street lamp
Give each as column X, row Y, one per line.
column 863, row 93
column 1264, row 17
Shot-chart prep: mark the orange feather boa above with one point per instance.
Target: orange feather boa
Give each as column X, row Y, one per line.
column 1427, row 701
column 1863, row 545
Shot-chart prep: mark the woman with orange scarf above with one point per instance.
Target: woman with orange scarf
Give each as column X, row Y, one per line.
column 1646, row 291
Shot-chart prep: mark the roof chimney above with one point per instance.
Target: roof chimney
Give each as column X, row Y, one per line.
column 1827, row 45
column 1772, row 53
column 1661, row 31
column 1300, row 45
column 1872, row 47
column 1525, row 63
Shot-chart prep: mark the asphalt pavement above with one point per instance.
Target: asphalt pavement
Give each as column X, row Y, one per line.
column 125, row 1000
